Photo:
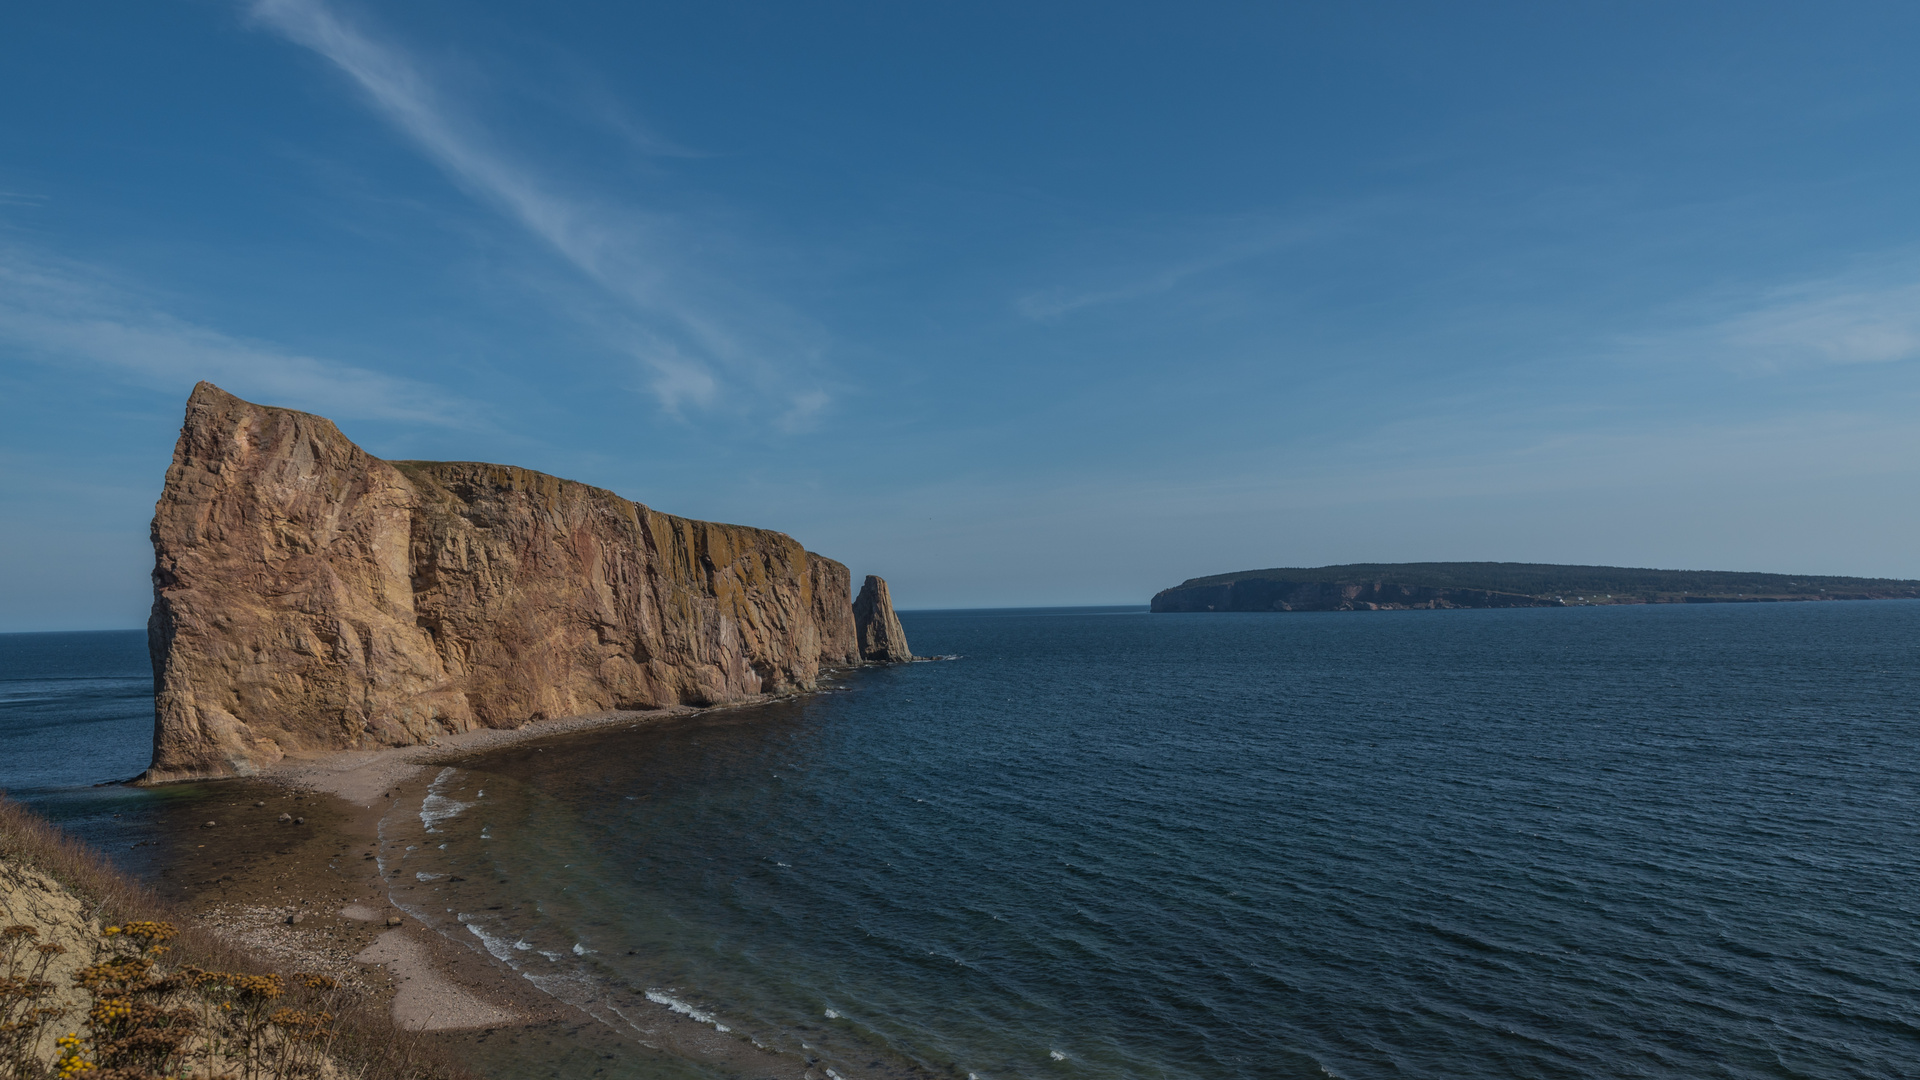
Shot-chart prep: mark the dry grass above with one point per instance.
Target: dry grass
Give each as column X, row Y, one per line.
column 362, row 1042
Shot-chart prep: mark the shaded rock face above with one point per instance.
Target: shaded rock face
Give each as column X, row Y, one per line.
column 882, row 641
column 310, row 597
column 1265, row 594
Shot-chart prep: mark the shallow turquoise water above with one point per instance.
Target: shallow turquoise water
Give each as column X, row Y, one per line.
column 1613, row 842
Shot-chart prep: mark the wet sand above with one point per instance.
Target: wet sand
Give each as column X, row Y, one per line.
column 308, row 891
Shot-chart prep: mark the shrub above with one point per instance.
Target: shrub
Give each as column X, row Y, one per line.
column 163, row 1000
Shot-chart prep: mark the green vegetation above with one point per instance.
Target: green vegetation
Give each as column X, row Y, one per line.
column 1548, row 580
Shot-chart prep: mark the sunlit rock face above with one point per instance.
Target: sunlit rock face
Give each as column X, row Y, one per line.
column 882, row 641
column 311, row 597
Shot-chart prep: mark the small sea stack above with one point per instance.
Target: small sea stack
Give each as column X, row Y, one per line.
column 882, row 641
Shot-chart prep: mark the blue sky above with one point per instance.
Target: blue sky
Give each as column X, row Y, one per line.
column 1011, row 303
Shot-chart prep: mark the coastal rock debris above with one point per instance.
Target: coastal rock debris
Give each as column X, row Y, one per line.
column 309, row 597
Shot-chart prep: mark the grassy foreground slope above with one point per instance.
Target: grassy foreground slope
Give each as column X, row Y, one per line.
column 1496, row 584
column 101, row 978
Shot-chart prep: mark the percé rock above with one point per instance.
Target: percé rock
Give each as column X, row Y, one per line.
column 311, row 597
column 882, row 641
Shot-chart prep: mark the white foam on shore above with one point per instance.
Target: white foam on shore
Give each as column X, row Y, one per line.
column 674, row 1004
column 500, row 947
column 437, row 807
column 568, row 973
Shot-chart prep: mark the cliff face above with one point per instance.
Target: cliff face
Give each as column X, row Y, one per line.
column 882, row 641
column 309, row 596
column 1262, row 594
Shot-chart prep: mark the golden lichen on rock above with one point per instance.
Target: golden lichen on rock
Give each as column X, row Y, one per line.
column 309, row 597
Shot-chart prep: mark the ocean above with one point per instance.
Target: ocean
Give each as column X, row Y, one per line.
column 1673, row 841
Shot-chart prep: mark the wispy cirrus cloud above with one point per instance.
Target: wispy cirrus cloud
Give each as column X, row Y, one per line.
column 1829, row 323
column 67, row 313
column 690, row 353
column 1868, row 317
column 1197, row 251
column 1047, row 305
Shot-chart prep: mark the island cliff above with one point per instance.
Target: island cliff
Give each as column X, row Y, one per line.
column 309, row 596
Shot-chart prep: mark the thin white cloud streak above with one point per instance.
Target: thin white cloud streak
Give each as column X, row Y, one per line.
column 1254, row 239
column 1830, row 324
column 1862, row 319
column 1052, row 304
column 622, row 251
column 804, row 413
column 67, row 313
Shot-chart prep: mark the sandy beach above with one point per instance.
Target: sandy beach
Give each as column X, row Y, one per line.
column 285, row 863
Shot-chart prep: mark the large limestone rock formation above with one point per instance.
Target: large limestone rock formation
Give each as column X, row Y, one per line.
column 309, row 597
column 877, row 627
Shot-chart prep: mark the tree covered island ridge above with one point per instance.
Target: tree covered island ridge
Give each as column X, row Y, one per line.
column 1389, row 586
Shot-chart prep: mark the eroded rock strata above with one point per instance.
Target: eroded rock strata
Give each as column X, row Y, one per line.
column 309, row 596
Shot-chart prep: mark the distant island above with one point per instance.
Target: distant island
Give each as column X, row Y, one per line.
column 1403, row 586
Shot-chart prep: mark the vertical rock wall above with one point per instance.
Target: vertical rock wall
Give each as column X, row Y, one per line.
column 309, row 597
column 882, row 641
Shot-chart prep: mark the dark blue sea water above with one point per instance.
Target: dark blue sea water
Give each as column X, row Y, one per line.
column 1674, row 841
column 76, row 711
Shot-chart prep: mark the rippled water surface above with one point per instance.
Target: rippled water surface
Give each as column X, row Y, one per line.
column 75, row 710
column 1664, row 842
column 1613, row 842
